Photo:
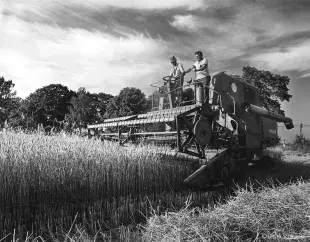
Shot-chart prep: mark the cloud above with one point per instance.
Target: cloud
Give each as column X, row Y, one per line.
column 142, row 4
column 294, row 58
column 95, row 4
column 34, row 55
column 251, row 28
column 220, row 41
column 187, row 23
column 78, row 42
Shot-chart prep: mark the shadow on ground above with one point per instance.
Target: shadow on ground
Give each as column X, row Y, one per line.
column 278, row 167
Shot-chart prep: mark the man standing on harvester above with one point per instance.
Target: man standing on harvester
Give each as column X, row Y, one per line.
column 201, row 69
column 178, row 72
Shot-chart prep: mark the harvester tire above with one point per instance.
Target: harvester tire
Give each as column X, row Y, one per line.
column 202, row 132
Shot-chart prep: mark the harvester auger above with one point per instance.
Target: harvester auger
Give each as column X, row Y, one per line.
column 228, row 120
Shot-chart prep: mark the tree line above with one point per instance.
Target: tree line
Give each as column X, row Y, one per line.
column 56, row 105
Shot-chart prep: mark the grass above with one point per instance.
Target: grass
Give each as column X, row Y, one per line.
column 278, row 213
column 268, row 205
column 300, row 144
column 75, row 189
column 288, row 166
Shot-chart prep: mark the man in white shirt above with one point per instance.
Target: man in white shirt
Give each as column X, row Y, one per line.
column 201, row 69
column 177, row 68
column 178, row 71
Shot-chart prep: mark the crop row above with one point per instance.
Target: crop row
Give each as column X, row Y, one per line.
column 47, row 182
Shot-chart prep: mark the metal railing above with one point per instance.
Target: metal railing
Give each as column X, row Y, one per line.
column 195, row 83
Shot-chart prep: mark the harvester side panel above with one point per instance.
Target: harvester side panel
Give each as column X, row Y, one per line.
column 269, row 132
column 269, row 128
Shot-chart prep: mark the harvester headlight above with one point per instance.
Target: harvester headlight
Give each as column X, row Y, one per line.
column 234, row 87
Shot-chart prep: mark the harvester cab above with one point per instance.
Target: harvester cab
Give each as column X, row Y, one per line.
column 228, row 121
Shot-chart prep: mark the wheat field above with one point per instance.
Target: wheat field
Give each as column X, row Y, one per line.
column 68, row 188
column 50, row 183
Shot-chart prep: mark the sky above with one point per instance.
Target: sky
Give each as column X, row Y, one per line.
column 106, row 45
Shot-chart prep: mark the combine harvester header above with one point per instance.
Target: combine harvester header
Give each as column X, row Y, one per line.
column 227, row 118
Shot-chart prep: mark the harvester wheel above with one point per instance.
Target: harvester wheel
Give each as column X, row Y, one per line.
column 202, row 132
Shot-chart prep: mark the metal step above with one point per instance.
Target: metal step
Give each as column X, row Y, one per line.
column 199, row 177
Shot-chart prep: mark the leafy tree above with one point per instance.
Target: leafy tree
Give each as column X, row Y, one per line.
column 8, row 99
column 87, row 107
column 101, row 104
column 129, row 101
column 47, row 104
column 113, row 108
column 16, row 114
column 273, row 88
column 82, row 111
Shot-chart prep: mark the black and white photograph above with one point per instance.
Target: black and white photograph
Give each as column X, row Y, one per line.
column 154, row 121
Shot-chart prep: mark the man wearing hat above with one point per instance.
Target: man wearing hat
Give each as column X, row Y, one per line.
column 178, row 71
column 177, row 68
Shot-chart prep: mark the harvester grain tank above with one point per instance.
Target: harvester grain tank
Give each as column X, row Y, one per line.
column 230, row 122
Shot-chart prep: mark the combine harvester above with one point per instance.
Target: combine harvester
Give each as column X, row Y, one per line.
column 229, row 121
